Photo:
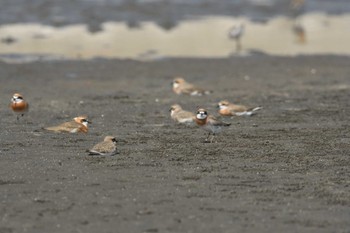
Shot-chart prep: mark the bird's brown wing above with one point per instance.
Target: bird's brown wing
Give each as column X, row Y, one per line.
column 190, row 89
column 214, row 121
column 185, row 114
column 104, row 148
column 238, row 108
column 65, row 127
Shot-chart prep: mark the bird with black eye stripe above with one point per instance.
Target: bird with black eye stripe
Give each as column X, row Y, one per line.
column 77, row 125
column 18, row 105
column 107, row 147
column 209, row 123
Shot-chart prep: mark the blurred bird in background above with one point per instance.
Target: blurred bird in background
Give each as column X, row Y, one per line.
column 235, row 33
column 300, row 33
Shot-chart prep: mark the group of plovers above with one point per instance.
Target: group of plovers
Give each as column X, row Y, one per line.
column 78, row 125
column 180, row 86
column 208, row 122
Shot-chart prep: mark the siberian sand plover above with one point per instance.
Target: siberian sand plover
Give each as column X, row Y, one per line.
column 180, row 86
column 78, row 125
column 18, row 105
column 209, row 123
column 106, row 147
column 181, row 116
column 229, row 109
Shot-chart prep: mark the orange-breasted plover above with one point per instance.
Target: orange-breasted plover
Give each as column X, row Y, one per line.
column 229, row 109
column 236, row 33
column 181, row 116
column 107, row 147
column 18, row 105
column 78, row 125
column 209, row 123
column 180, row 86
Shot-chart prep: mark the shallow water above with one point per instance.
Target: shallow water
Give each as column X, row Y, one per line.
column 199, row 37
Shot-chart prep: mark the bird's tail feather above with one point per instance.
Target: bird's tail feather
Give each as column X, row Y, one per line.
column 249, row 112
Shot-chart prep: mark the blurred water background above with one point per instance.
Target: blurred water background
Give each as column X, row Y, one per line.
column 156, row 29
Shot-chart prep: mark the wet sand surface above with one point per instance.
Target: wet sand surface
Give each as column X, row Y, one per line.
column 285, row 169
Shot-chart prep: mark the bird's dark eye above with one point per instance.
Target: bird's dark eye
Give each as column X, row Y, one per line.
column 205, row 113
column 20, row 97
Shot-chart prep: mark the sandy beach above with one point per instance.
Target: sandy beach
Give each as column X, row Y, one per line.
column 285, row 169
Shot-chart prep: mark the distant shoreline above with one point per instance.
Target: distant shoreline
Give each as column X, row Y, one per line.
column 94, row 12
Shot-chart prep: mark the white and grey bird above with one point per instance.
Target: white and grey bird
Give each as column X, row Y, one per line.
column 106, row 147
column 236, row 33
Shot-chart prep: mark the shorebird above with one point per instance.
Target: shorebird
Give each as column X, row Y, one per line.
column 180, row 86
column 300, row 33
column 106, row 147
column 229, row 109
column 296, row 4
column 209, row 123
column 78, row 125
column 18, row 105
column 236, row 33
column 181, row 116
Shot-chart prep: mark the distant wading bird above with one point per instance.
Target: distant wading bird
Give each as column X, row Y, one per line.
column 229, row 109
column 18, row 105
column 78, row 125
column 180, row 86
column 181, row 116
column 235, row 33
column 107, row 147
column 296, row 4
column 296, row 7
column 300, row 33
column 209, row 123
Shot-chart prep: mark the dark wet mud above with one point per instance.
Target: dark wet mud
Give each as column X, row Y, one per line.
column 285, row 169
